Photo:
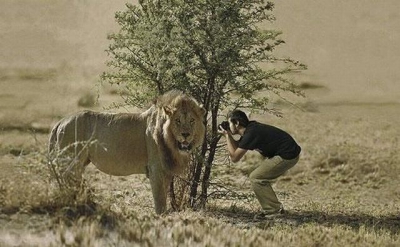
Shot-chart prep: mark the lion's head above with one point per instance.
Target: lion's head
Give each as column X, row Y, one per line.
column 183, row 129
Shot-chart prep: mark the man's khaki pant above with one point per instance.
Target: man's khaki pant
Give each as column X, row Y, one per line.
column 262, row 177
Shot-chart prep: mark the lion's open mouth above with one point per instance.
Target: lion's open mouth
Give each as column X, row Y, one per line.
column 184, row 146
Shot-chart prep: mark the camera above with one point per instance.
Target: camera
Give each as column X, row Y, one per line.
column 224, row 125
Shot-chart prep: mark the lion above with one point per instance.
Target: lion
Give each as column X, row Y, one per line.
column 156, row 142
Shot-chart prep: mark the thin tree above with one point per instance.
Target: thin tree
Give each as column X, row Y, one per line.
column 212, row 50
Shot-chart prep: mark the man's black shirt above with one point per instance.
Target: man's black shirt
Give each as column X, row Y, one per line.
column 269, row 141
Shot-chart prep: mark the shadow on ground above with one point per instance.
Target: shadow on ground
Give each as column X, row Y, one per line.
column 390, row 223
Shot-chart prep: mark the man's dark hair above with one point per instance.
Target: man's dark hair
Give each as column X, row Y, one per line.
column 237, row 116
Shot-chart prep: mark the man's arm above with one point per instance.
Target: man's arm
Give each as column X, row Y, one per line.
column 235, row 153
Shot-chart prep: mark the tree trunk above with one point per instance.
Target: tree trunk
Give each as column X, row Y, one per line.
column 213, row 146
column 199, row 163
column 207, row 173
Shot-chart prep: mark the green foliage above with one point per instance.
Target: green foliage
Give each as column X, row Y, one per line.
column 210, row 49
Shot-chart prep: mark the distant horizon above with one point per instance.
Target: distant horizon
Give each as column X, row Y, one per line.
column 351, row 48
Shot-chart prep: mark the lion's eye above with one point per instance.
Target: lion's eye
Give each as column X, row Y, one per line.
column 192, row 121
column 177, row 121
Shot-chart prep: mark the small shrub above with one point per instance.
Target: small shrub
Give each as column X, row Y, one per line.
column 310, row 85
column 87, row 100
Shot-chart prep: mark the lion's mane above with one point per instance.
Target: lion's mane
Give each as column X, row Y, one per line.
column 161, row 127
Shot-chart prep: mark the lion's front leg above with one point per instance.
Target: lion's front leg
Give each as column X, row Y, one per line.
column 160, row 182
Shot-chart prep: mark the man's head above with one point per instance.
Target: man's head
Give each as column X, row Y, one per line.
column 237, row 120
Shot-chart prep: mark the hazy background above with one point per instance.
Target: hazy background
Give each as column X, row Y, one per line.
column 350, row 46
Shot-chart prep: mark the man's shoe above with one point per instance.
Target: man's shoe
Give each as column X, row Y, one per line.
column 269, row 215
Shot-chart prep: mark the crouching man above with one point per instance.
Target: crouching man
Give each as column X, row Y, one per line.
column 280, row 150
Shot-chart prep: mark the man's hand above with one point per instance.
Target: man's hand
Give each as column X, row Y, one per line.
column 222, row 131
column 235, row 153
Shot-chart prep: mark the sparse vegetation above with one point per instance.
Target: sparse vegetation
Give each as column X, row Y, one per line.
column 343, row 192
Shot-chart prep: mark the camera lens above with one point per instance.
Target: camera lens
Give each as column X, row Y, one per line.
column 225, row 125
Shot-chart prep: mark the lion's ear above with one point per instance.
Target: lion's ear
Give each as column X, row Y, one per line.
column 168, row 110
